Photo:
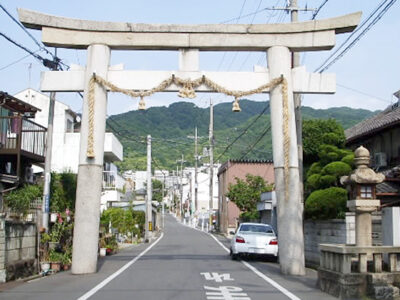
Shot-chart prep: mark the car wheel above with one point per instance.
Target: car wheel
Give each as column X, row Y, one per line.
column 274, row 259
column 232, row 255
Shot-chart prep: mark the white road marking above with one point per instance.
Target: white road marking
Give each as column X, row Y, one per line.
column 260, row 274
column 217, row 277
column 122, row 269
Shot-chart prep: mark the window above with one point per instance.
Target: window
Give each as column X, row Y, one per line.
column 366, row 192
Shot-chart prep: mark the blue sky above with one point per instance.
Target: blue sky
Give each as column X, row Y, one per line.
column 371, row 67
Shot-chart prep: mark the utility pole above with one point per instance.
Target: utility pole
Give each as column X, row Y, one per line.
column 148, row 216
column 162, row 200
column 211, row 138
column 181, row 191
column 196, row 157
column 47, row 165
column 294, row 17
column 47, row 162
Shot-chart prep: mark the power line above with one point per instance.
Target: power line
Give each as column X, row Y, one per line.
column 54, row 58
column 318, row 9
column 25, row 30
column 51, row 64
column 243, row 132
column 257, row 141
column 237, row 19
column 17, row 61
column 363, row 93
column 322, row 68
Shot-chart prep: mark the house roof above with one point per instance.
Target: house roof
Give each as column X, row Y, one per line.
column 387, row 118
column 16, row 104
column 226, row 165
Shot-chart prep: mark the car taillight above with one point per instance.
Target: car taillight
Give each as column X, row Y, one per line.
column 273, row 242
column 239, row 239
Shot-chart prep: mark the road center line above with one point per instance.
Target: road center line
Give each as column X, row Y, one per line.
column 117, row 273
column 260, row 274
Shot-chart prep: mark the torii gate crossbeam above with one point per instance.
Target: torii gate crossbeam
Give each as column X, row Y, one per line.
column 277, row 40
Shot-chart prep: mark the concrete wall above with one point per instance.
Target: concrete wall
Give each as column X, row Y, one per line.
column 338, row 231
column 324, row 232
column 18, row 244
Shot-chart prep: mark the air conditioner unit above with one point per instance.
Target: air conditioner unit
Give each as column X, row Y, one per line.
column 380, row 159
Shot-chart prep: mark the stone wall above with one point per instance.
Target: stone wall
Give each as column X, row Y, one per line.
column 338, row 231
column 324, row 232
column 18, row 248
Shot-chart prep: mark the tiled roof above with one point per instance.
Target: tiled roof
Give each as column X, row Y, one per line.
column 387, row 187
column 389, row 117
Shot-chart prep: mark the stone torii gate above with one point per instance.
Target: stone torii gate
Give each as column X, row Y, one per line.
column 277, row 40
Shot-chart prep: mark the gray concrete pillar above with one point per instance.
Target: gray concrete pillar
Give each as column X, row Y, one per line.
column 90, row 171
column 364, row 229
column 290, row 211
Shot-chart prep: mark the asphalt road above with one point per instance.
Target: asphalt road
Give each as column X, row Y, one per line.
column 183, row 263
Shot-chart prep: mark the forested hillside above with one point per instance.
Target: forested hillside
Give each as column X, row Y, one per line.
column 172, row 131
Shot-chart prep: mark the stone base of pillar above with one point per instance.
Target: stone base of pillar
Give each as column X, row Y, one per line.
column 357, row 286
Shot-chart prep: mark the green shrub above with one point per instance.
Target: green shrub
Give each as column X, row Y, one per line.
column 313, row 181
column 249, row 216
column 336, row 169
column 19, row 200
column 326, row 204
column 327, row 181
column 314, row 169
column 348, row 159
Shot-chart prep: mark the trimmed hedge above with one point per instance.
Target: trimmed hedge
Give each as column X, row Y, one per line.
column 326, row 204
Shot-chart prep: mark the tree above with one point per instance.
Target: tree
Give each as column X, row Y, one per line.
column 318, row 132
column 326, row 161
column 246, row 193
column 62, row 191
column 157, row 190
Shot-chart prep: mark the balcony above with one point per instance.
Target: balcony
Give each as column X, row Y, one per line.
column 21, row 136
column 113, row 150
column 112, row 181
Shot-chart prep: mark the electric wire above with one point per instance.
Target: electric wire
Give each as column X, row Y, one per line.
column 243, row 132
column 54, row 57
column 17, row 61
column 325, row 65
column 316, row 12
column 256, row 142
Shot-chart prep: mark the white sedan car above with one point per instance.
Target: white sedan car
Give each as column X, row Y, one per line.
column 254, row 238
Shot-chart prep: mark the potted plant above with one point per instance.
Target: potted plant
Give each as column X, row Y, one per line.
column 66, row 261
column 44, row 262
column 55, row 259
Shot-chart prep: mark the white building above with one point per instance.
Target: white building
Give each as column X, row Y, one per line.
column 203, row 190
column 66, row 138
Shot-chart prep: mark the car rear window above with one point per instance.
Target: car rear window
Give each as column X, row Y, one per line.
column 256, row 228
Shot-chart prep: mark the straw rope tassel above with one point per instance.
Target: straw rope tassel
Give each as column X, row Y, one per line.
column 90, row 145
column 286, row 136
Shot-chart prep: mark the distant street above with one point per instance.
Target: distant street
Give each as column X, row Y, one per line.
column 183, row 264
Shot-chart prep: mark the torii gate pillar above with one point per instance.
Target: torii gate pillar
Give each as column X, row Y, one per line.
column 290, row 210
column 90, row 170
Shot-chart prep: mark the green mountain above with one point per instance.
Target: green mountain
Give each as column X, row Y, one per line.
column 244, row 135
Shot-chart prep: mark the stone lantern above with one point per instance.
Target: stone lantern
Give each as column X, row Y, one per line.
column 362, row 186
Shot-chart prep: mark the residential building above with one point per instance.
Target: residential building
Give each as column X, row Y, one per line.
column 228, row 214
column 66, row 140
column 380, row 134
column 22, row 142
